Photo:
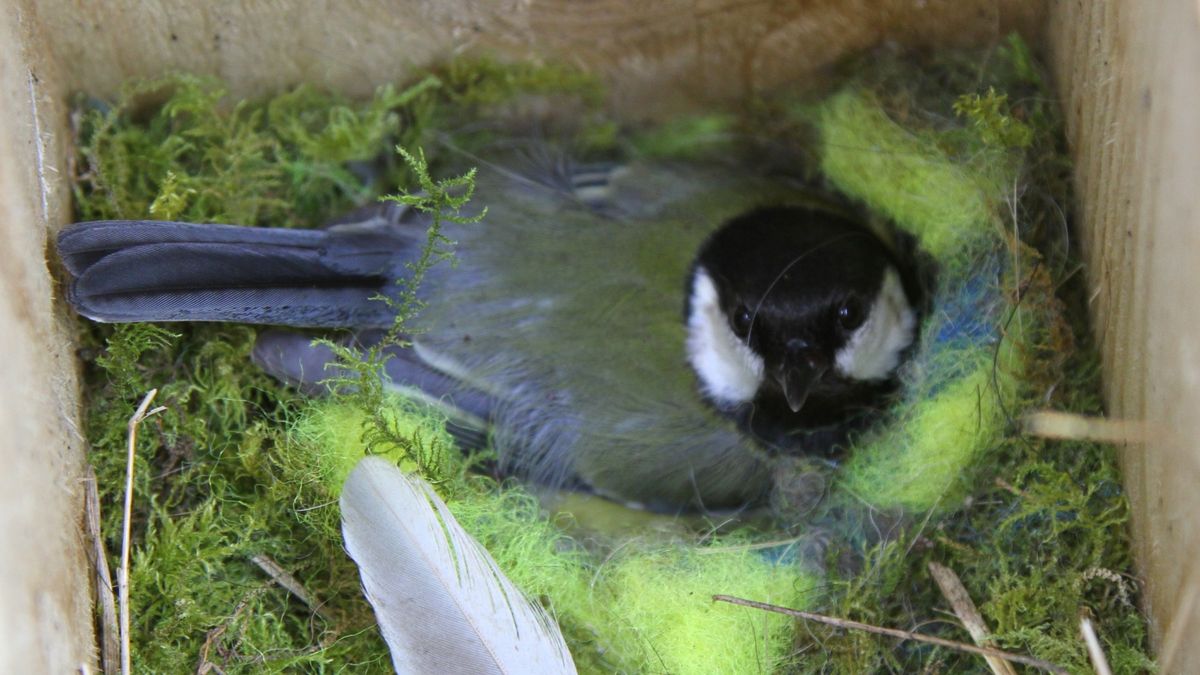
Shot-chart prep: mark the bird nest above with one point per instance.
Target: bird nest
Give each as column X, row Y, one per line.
column 238, row 558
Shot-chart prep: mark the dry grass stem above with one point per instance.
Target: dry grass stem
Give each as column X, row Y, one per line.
column 1070, row 426
column 206, row 665
column 106, row 600
column 1094, row 650
column 289, row 583
column 894, row 632
column 1005, row 485
column 964, row 608
column 143, row 411
column 758, row 546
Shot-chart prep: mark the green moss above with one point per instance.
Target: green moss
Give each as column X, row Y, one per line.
column 238, row 466
column 989, row 117
column 488, row 82
column 327, row 442
column 1034, row 528
column 216, row 478
column 686, row 137
column 199, row 160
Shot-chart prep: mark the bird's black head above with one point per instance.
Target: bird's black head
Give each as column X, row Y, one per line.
column 795, row 305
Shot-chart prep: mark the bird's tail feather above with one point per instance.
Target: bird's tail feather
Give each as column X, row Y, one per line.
column 126, row 271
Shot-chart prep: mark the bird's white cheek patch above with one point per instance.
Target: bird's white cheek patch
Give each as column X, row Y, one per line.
column 873, row 351
column 730, row 372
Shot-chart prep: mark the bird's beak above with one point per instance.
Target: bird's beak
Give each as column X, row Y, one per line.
column 797, row 378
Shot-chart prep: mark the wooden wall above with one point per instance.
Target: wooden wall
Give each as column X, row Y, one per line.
column 1127, row 72
column 45, row 611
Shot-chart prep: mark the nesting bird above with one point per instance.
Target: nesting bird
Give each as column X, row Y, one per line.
column 652, row 333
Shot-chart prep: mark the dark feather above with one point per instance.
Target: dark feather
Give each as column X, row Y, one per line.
column 165, row 271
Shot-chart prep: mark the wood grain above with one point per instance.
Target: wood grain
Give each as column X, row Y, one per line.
column 45, row 608
column 658, row 57
column 1126, row 73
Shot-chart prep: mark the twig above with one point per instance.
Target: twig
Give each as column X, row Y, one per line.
column 757, row 546
column 1005, row 485
column 964, row 608
column 893, row 632
column 1070, row 426
column 287, row 581
column 123, row 570
column 110, row 630
column 1094, row 650
column 205, row 665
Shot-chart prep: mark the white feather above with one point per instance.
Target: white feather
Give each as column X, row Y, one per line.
column 873, row 351
column 730, row 372
column 442, row 603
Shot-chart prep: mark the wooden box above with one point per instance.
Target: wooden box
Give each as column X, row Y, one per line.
column 1126, row 73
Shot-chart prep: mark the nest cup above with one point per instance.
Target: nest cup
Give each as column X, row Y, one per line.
column 1121, row 74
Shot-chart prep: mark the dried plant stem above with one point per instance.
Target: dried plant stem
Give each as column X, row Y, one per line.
column 1094, row 650
column 1061, row 425
column 106, row 601
column 207, row 666
column 123, row 571
column 893, row 632
column 964, row 608
column 288, row 582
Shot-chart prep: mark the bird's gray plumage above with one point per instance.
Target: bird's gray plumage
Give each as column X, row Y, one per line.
column 561, row 323
column 559, row 354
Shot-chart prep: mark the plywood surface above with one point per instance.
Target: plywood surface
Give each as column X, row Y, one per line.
column 45, row 621
column 1128, row 75
column 658, row 56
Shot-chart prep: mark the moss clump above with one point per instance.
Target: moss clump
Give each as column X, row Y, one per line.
column 213, row 483
column 643, row 605
column 1036, row 529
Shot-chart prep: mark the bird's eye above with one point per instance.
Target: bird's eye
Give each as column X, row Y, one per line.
column 742, row 318
column 850, row 315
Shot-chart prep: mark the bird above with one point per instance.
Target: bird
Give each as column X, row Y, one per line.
column 653, row 332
